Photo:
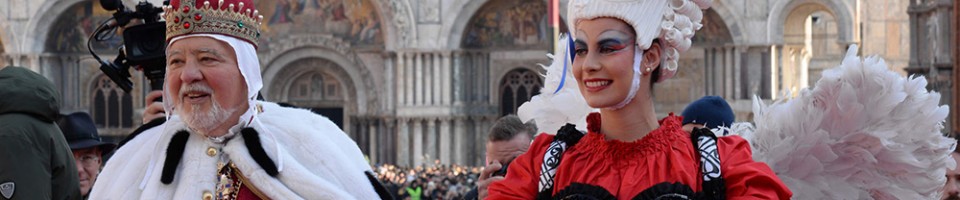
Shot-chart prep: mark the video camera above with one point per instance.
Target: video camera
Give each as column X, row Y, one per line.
column 143, row 44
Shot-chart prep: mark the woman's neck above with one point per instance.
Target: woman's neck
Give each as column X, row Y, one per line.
column 630, row 123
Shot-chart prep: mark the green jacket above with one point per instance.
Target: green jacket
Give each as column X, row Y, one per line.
column 35, row 160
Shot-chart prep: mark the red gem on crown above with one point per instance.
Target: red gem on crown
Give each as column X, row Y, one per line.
column 186, row 25
column 197, row 17
column 186, row 9
column 176, row 20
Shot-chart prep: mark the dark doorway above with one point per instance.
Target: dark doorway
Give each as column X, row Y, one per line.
column 334, row 114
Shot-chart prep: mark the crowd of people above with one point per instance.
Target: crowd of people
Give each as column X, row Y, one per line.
column 428, row 182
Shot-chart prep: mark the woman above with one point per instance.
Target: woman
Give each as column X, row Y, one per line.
column 622, row 48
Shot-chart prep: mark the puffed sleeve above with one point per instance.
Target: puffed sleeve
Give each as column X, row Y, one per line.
column 745, row 178
column 523, row 173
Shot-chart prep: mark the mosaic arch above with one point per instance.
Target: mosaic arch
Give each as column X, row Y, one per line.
column 69, row 33
column 714, row 32
column 509, row 24
column 354, row 21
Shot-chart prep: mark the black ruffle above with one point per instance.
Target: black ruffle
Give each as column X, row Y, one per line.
column 668, row 191
column 580, row 191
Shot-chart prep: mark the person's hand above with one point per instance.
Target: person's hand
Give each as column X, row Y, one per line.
column 486, row 179
column 153, row 109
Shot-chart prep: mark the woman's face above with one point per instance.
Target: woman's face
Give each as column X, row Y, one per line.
column 604, row 60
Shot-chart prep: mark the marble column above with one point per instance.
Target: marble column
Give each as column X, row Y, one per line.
column 707, row 72
column 430, row 149
column 418, row 87
column 738, row 72
column 728, row 71
column 417, row 142
column 460, row 140
column 409, row 78
column 446, row 141
column 445, row 71
column 373, row 138
column 401, row 79
column 437, row 79
column 718, row 71
column 478, row 140
column 403, row 143
column 428, row 79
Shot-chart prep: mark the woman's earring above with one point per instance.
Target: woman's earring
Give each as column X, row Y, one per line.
column 648, row 70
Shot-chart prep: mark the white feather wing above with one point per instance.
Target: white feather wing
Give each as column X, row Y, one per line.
column 862, row 132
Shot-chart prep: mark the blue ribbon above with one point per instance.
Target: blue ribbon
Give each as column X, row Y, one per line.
column 563, row 77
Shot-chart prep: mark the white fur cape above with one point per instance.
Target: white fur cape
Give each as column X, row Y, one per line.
column 317, row 161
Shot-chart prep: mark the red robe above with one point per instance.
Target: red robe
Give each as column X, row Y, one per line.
column 625, row 169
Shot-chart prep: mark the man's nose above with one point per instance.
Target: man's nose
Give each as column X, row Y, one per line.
column 191, row 73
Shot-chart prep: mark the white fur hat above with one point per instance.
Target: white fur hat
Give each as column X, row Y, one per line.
column 672, row 21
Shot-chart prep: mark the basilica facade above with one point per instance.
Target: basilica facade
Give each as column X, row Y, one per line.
column 414, row 81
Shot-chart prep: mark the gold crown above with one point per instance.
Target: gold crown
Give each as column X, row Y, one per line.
column 236, row 21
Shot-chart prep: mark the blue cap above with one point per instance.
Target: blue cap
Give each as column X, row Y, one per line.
column 711, row 111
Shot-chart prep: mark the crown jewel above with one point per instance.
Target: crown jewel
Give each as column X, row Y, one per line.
column 237, row 20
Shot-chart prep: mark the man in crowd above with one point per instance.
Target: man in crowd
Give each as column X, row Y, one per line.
column 218, row 140
column 88, row 149
column 35, row 160
column 508, row 138
column 709, row 112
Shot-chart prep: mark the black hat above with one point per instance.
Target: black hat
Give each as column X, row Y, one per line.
column 710, row 111
column 81, row 133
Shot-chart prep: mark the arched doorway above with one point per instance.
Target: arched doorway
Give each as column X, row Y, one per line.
column 320, row 92
column 318, row 85
column 810, row 45
column 517, row 87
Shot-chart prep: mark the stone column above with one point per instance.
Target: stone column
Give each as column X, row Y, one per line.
column 428, row 79
column 430, row 148
column 446, row 141
column 729, row 69
column 738, row 73
column 374, row 138
column 437, row 79
column 460, row 140
column 478, row 140
column 417, row 142
column 401, row 79
column 409, row 78
column 418, row 88
column 403, row 143
column 445, row 69
column 707, row 72
column 718, row 71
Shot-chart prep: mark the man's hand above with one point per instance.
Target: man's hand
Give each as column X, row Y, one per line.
column 486, row 179
column 154, row 109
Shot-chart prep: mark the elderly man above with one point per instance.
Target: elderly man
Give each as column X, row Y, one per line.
column 88, row 149
column 218, row 141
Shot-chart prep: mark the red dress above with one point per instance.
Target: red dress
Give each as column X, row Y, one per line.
column 625, row 169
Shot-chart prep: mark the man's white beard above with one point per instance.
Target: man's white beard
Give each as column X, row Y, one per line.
column 199, row 120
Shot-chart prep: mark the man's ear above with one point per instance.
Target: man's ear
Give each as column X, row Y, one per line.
column 651, row 57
